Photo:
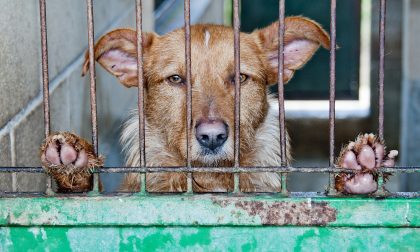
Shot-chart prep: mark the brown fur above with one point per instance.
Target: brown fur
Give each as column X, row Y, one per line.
column 212, row 97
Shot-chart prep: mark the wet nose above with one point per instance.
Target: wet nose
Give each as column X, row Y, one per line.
column 211, row 133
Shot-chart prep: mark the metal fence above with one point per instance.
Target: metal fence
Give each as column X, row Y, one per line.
column 283, row 169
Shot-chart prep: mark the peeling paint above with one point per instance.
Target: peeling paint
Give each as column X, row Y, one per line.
column 287, row 213
column 209, row 210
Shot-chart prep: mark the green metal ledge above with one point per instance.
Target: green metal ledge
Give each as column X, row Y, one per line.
column 208, row 223
column 209, row 210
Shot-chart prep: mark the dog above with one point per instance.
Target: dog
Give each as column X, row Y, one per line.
column 68, row 157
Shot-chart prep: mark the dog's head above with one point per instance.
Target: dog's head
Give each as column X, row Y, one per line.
column 213, row 88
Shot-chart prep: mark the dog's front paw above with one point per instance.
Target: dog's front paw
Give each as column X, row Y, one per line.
column 69, row 159
column 365, row 155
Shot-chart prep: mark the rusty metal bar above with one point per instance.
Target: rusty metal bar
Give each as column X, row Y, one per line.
column 381, row 190
column 143, row 183
column 93, row 111
column 245, row 169
column 187, row 28
column 189, row 183
column 332, row 80
column 236, row 25
column 382, row 14
column 281, row 96
column 381, row 78
column 405, row 195
column 45, row 79
column 236, row 37
column 281, row 83
column 140, row 97
column 187, row 24
column 283, row 180
column 140, row 101
column 331, row 188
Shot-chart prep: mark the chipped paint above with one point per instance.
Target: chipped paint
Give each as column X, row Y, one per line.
column 208, row 222
column 290, row 213
column 199, row 210
column 284, row 212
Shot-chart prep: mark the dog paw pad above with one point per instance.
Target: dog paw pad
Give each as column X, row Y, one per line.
column 365, row 155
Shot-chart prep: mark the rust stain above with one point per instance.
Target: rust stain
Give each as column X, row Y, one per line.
column 286, row 213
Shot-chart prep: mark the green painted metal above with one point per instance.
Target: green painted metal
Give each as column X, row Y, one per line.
column 209, row 210
column 208, row 239
column 208, row 222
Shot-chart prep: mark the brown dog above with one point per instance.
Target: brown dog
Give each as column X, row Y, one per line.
column 212, row 105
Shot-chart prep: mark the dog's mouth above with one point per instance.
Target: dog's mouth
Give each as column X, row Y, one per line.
column 211, row 152
column 213, row 157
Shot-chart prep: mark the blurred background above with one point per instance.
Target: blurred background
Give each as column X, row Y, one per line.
column 21, row 116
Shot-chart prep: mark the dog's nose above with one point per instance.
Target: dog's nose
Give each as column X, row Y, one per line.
column 211, row 133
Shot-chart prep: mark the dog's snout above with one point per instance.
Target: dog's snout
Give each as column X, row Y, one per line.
column 211, row 134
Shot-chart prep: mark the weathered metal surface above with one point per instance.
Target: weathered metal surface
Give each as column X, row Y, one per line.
column 186, row 210
column 286, row 213
column 208, row 239
column 244, row 169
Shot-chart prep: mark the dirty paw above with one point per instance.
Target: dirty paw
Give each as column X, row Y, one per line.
column 69, row 158
column 365, row 155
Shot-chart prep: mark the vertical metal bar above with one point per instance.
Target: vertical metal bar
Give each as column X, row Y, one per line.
column 236, row 36
column 381, row 68
column 331, row 188
column 382, row 14
column 187, row 27
column 13, row 157
column 92, row 88
column 281, row 83
column 140, row 101
column 283, row 180
column 140, row 82
column 143, row 183
column 281, row 95
column 45, row 79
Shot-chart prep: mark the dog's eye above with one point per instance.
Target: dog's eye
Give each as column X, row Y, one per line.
column 242, row 78
column 175, row 79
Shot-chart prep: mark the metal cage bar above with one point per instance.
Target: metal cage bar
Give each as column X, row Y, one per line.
column 92, row 79
column 381, row 78
column 45, row 79
column 280, row 84
column 237, row 62
column 140, row 77
column 333, row 6
column 382, row 13
column 140, row 98
column 187, row 28
column 283, row 169
column 244, row 169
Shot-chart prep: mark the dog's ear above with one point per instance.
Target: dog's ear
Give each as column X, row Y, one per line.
column 302, row 37
column 116, row 51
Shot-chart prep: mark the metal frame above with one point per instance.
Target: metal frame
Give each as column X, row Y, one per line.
column 235, row 221
column 283, row 169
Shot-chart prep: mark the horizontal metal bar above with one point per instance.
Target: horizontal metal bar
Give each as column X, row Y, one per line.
column 175, row 210
column 407, row 195
column 399, row 169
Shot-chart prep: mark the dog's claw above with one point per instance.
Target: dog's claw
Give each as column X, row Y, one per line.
column 365, row 155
